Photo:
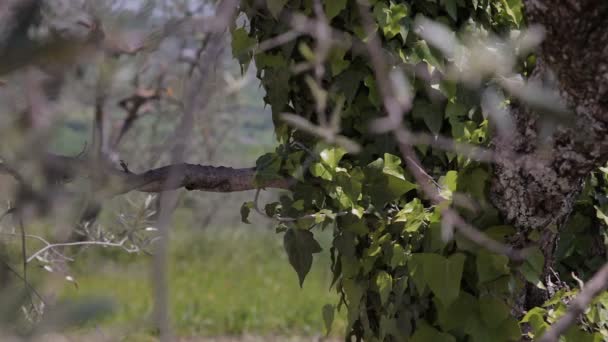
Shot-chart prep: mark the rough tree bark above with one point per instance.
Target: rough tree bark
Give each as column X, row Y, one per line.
column 116, row 182
column 538, row 191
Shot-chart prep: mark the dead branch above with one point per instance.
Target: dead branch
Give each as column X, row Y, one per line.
column 188, row 176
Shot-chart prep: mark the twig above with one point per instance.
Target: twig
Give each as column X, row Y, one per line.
column 82, row 243
column 31, row 288
column 274, row 42
column 23, row 248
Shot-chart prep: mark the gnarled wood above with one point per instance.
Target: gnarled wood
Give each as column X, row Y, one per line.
column 112, row 181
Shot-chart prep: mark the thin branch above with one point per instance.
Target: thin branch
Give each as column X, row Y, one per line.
column 23, row 249
column 277, row 41
column 597, row 284
column 132, row 105
column 31, row 288
column 120, row 244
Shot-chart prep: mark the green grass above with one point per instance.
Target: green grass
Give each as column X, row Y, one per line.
column 223, row 282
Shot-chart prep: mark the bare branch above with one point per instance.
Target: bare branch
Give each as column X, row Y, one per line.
column 120, row 244
column 188, row 176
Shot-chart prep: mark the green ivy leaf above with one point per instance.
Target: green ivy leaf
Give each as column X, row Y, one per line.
column 424, row 53
column 426, row 333
column 473, row 181
column 328, row 317
column 384, row 285
column 245, row 210
column 575, row 334
column 338, row 63
column 270, row 61
column 275, row 7
column 332, row 156
column 397, row 185
column 532, row 267
column 413, row 215
column 450, row 180
column 491, row 266
column 374, row 95
column 442, row 275
column 457, row 315
column 333, row 8
column 504, row 331
column 390, row 17
column 535, row 317
column 451, row 7
column 320, row 170
column 241, row 46
column 300, row 245
column 493, row 311
column 267, row 167
column 353, row 293
column 398, row 256
column 430, row 114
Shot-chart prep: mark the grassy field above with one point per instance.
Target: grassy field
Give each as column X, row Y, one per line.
column 224, row 282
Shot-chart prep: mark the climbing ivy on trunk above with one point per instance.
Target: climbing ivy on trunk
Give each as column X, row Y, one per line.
column 400, row 272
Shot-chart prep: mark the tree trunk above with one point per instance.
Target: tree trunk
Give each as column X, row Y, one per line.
column 536, row 190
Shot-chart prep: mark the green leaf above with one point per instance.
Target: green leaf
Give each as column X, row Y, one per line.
column 374, row 95
column 384, row 285
column 241, row 45
column 416, row 273
column 424, row 53
column 450, row 180
column 397, row 185
column 339, row 64
column 390, row 17
column 532, row 267
column 275, row 7
column 392, row 166
column 473, row 181
column 493, row 311
column 450, row 7
column 456, row 316
column 334, row 7
column 300, row 245
column 426, row 333
column 270, row 61
column 429, row 113
column 332, row 156
column 442, row 275
column 575, row 334
column 320, row 170
column 328, row 317
column 504, row 331
column 245, row 210
column 354, row 292
column 413, row 214
column 398, row 256
column 535, row 318
column 491, row 266
column 267, row 167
